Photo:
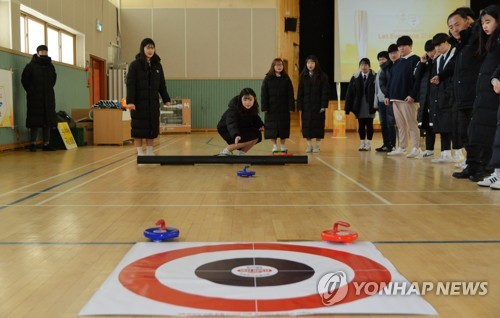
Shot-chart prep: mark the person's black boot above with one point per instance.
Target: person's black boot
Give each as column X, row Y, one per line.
column 466, row 173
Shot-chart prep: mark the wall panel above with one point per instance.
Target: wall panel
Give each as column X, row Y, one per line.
column 202, row 42
column 235, row 43
column 170, row 38
column 264, row 40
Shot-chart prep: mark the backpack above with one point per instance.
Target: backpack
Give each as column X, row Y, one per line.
column 62, row 117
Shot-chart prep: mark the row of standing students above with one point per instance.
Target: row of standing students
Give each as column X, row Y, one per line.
column 454, row 83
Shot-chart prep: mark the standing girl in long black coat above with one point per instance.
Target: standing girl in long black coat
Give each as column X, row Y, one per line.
column 276, row 102
column 312, row 100
column 483, row 123
column 145, row 80
column 38, row 79
column 491, row 26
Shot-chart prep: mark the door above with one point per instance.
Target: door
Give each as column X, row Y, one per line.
column 97, row 79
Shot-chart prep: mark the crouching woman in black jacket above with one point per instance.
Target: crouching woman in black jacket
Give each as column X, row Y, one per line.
column 241, row 125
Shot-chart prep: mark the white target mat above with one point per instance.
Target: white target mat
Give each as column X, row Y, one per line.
column 293, row 278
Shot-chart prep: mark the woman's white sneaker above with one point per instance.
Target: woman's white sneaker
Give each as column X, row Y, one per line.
column 488, row 181
column 397, row 152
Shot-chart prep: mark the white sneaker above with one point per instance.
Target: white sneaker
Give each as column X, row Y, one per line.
column 316, row 149
column 275, row 148
column 427, row 153
column 283, row 148
column 496, row 185
column 458, row 156
column 444, row 158
column 241, row 153
column 361, row 146
column 225, row 152
column 488, row 181
column 397, row 152
column 415, row 152
column 309, row 149
column 368, row 145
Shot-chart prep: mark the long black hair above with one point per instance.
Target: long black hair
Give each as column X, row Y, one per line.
column 486, row 42
column 255, row 108
column 318, row 72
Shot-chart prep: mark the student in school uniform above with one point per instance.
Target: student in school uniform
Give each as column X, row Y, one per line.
column 403, row 91
column 423, row 74
column 441, row 90
column 359, row 101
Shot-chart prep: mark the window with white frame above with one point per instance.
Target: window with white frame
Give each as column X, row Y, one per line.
column 34, row 32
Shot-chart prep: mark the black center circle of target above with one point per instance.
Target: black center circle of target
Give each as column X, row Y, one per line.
column 289, row 272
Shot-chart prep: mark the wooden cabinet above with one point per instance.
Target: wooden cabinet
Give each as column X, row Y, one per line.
column 176, row 117
column 111, row 126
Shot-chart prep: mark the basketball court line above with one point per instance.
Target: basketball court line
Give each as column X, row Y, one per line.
column 99, row 176
column 63, row 173
column 354, row 181
column 249, row 205
column 266, row 192
column 294, row 240
column 246, row 205
column 34, row 194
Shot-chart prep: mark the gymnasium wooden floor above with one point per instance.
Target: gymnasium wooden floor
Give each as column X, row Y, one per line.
column 68, row 217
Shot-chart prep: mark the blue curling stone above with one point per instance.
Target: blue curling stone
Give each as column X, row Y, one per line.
column 156, row 234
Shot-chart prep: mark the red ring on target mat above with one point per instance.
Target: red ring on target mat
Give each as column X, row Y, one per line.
column 139, row 277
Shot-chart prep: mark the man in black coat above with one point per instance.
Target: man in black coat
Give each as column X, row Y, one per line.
column 38, row 79
column 467, row 64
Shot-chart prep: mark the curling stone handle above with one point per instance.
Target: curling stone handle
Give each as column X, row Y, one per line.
column 336, row 225
column 161, row 223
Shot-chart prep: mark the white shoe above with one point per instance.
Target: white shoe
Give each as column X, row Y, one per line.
column 225, row 152
column 241, row 153
column 397, row 152
column 488, row 181
column 495, row 185
column 275, row 148
column 458, row 156
column 316, row 149
column 444, row 158
column 361, row 146
column 427, row 153
column 283, row 148
column 415, row 152
column 368, row 145
column 309, row 149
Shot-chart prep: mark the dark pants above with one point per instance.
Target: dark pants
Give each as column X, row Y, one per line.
column 445, row 141
column 45, row 135
column 456, row 139
column 365, row 129
column 388, row 132
column 430, row 138
column 464, row 117
column 495, row 157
